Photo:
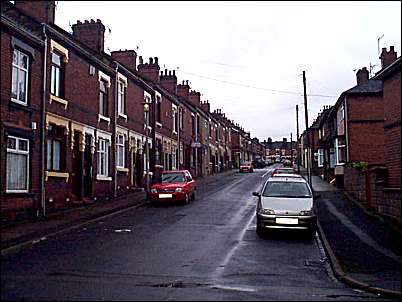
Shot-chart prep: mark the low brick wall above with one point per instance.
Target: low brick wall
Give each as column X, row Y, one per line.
column 386, row 201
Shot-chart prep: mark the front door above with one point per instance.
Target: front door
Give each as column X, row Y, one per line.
column 88, row 166
column 77, row 165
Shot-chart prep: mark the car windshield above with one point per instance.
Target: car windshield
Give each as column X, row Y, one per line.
column 246, row 163
column 173, row 177
column 286, row 189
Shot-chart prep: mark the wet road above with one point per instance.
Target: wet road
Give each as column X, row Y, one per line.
column 207, row 250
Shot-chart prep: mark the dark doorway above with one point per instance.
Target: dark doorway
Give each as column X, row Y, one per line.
column 88, row 166
column 77, row 165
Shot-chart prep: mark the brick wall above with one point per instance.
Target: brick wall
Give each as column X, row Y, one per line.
column 392, row 128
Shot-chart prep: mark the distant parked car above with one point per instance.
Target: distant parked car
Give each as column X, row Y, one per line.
column 283, row 171
column 258, row 164
column 175, row 185
column 286, row 203
column 246, row 167
column 287, row 163
column 289, row 175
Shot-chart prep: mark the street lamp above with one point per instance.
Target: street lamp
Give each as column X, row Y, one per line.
column 146, row 111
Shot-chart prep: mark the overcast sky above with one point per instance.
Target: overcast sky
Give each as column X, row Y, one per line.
column 247, row 58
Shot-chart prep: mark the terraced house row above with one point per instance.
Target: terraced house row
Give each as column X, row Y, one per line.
column 356, row 143
column 79, row 125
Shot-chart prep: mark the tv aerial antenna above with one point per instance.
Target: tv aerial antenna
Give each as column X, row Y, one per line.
column 378, row 43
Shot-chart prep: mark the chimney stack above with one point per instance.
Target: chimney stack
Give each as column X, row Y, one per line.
column 206, row 106
column 362, row 76
column 126, row 57
column 150, row 70
column 41, row 11
column 195, row 98
column 169, row 81
column 183, row 90
column 387, row 57
column 92, row 34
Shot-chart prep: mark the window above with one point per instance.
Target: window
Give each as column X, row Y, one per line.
column 103, row 157
column 340, row 151
column 174, row 158
column 320, row 157
column 17, row 164
column 158, row 110
column 19, row 86
column 121, row 98
column 120, row 150
column 103, row 98
column 181, row 118
column 193, row 125
column 55, row 148
column 56, row 76
column 174, row 117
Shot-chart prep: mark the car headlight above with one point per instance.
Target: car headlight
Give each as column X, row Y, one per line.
column 306, row 213
column 267, row 212
column 179, row 190
column 154, row 191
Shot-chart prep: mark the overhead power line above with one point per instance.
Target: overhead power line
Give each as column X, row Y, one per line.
column 260, row 88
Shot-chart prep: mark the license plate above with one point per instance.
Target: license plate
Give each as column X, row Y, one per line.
column 287, row 220
column 165, row 195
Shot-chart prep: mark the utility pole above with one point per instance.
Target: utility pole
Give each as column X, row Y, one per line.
column 291, row 149
column 307, row 130
column 297, row 139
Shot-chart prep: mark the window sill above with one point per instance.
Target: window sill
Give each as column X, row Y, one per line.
column 58, row 100
column 159, row 125
column 65, row 175
column 123, row 116
column 25, row 105
column 105, row 178
column 103, row 118
column 122, row 169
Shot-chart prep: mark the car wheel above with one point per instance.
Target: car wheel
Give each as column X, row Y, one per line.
column 259, row 229
column 193, row 196
column 311, row 232
column 187, row 199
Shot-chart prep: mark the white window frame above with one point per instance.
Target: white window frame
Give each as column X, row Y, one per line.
column 103, row 148
column 337, row 147
column 26, row 70
column 18, row 151
column 120, row 162
column 174, row 120
column 320, row 157
column 121, row 97
column 55, row 83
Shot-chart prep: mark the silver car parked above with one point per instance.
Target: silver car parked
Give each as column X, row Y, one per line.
column 286, row 203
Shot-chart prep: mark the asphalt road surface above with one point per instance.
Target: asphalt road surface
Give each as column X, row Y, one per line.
column 207, row 250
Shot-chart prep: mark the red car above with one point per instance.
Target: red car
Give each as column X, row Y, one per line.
column 175, row 185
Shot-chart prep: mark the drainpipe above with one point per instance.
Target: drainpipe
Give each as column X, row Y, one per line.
column 116, row 106
column 43, row 130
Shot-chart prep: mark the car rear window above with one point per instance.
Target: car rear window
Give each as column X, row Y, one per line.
column 287, row 189
column 173, row 177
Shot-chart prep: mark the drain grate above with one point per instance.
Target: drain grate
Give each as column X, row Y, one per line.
column 172, row 284
column 313, row 263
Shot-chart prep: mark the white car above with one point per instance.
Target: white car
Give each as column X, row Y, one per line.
column 286, row 203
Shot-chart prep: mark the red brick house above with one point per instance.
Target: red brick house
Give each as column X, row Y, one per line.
column 22, row 49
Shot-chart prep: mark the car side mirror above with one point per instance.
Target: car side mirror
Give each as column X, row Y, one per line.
column 256, row 194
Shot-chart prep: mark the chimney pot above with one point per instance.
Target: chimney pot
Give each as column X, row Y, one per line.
column 156, row 60
column 187, row 82
column 141, row 60
column 151, row 60
column 170, row 72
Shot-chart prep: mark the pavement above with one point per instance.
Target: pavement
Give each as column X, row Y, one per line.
column 364, row 250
